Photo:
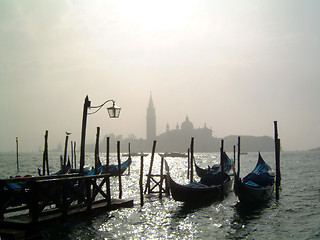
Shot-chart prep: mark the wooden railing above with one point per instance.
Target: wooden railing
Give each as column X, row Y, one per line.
column 53, row 194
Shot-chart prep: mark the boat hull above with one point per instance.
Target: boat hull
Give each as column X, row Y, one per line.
column 202, row 172
column 113, row 169
column 247, row 194
column 185, row 193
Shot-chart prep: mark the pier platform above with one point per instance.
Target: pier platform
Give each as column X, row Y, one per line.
column 28, row 205
column 22, row 226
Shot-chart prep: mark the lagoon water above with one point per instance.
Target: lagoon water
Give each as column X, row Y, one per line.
column 296, row 215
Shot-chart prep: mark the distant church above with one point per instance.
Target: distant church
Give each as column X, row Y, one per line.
column 151, row 121
column 177, row 139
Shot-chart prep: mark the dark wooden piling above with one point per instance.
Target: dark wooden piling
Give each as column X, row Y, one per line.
column 75, row 155
column 238, row 171
column 108, row 154
column 188, row 173
column 17, row 153
column 161, row 177
column 86, row 105
column 129, row 151
column 234, row 159
column 72, row 154
column 65, row 154
column 141, row 181
column 191, row 159
column 222, row 168
column 119, row 169
column 107, row 170
column 45, row 162
column 150, row 168
column 96, row 152
column 277, row 158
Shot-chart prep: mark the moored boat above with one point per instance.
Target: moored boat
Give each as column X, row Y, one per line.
column 257, row 186
column 215, row 168
column 199, row 192
column 212, row 186
column 113, row 168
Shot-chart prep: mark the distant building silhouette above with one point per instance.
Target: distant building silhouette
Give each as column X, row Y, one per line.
column 151, row 120
column 178, row 139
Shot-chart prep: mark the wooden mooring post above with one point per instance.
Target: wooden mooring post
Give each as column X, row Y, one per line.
column 129, row 151
column 17, row 153
column 141, row 181
column 191, row 159
column 188, row 173
column 222, row 168
column 65, row 154
column 45, row 163
column 107, row 169
column 234, row 159
column 72, row 155
column 161, row 177
column 96, row 152
column 277, row 158
column 238, row 171
column 86, row 105
column 75, row 155
column 119, row 169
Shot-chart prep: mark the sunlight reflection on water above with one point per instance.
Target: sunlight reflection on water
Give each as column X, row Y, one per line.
column 295, row 215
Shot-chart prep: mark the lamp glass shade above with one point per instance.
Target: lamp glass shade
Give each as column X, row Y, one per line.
column 114, row 111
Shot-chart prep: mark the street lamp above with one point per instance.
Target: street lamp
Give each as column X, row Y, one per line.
column 113, row 112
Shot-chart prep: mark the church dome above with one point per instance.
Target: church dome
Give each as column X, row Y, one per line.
column 186, row 125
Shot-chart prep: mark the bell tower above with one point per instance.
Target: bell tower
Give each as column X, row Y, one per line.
column 151, row 120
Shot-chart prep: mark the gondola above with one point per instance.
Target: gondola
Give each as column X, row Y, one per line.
column 113, row 168
column 257, row 186
column 215, row 168
column 208, row 189
column 198, row 192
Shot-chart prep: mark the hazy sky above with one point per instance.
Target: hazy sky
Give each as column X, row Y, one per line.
column 235, row 65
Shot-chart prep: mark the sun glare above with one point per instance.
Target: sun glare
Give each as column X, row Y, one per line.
column 156, row 14
column 145, row 15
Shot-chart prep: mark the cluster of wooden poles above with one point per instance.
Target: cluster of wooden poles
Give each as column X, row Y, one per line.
column 150, row 176
column 63, row 159
column 190, row 171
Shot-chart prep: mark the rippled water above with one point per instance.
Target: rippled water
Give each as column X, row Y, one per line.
column 295, row 216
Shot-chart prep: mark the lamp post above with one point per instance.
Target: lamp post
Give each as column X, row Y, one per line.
column 113, row 112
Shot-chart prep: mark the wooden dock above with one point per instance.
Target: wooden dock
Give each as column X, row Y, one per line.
column 21, row 226
column 40, row 202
